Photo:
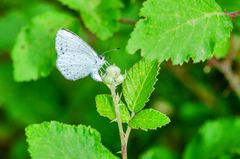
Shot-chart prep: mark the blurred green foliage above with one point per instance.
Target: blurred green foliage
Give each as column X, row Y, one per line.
column 195, row 101
column 216, row 139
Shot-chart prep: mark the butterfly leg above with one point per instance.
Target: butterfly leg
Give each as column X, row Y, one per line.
column 107, row 64
column 101, row 72
column 96, row 76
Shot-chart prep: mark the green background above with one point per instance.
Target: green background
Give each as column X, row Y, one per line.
column 202, row 107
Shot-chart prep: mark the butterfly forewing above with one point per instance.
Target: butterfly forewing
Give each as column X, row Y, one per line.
column 67, row 42
column 76, row 59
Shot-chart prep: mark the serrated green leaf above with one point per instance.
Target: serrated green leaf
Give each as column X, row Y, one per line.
column 221, row 50
column 149, row 119
column 99, row 16
column 231, row 6
column 215, row 139
column 139, row 82
column 180, row 30
column 34, row 52
column 54, row 140
column 105, row 108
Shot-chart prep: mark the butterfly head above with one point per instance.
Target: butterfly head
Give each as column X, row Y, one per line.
column 101, row 60
column 101, row 57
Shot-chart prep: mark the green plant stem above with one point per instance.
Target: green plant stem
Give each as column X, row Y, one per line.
column 123, row 136
column 119, row 121
column 128, row 130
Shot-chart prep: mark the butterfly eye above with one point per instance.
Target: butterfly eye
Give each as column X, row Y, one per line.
column 101, row 57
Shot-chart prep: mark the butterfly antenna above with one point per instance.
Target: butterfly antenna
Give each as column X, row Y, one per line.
column 110, row 50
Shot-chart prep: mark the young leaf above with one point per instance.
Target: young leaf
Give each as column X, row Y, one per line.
column 105, row 108
column 56, row 140
column 34, row 52
column 180, row 30
column 215, row 139
column 139, row 82
column 99, row 16
column 148, row 119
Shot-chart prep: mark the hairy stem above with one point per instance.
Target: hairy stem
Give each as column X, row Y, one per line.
column 119, row 121
column 128, row 130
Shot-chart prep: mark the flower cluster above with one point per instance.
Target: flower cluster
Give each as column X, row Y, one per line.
column 113, row 76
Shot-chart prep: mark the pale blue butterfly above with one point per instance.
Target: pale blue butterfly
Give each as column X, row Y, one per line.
column 75, row 58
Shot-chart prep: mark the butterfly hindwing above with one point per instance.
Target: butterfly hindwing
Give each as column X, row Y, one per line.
column 74, row 68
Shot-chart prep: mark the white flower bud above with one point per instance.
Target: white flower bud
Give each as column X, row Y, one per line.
column 119, row 79
column 113, row 76
column 113, row 71
column 108, row 80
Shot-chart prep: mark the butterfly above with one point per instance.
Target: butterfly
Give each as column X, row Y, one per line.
column 75, row 58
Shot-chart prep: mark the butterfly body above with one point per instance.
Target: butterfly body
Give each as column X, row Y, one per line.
column 75, row 58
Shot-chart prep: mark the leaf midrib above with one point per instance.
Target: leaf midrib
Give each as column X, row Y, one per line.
column 141, row 86
column 207, row 15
